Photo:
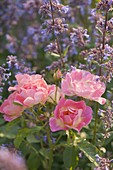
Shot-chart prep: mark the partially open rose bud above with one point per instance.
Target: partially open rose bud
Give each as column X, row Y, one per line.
column 57, row 75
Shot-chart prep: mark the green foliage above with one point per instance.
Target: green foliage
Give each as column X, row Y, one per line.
column 70, row 157
column 24, row 132
column 89, row 150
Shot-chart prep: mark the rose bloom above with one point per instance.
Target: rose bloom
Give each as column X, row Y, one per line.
column 84, row 84
column 10, row 109
column 31, row 89
column 69, row 114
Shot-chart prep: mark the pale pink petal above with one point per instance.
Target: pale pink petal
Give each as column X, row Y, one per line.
column 100, row 100
column 29, row 101
column 84, row 84
column 56, row 124
column 39, row 97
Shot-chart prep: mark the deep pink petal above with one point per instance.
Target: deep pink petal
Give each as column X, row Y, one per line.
column 76, row 105
column 58, row 107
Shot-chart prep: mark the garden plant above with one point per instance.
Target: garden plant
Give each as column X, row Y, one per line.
column 56, row 77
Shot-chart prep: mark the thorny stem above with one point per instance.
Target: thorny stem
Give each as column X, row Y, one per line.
column 57, row 40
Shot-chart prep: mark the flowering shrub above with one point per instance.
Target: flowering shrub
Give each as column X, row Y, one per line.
column 58, row 112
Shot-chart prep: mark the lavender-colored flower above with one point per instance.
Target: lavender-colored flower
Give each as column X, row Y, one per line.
column 104, row 163
column 52, row 47
column 104, row 5
column 57, row 27
column 79, row 36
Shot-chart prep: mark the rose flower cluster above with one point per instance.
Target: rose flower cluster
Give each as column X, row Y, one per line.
column 33, row 89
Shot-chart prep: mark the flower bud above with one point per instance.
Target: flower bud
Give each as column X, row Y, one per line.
column 57, row 75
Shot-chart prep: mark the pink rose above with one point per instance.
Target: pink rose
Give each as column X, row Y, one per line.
column 11, row 110
column 31, row 90
column 70, row 114
column 83, row 83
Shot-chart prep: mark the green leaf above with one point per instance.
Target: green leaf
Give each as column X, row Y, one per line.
column 1, row 121
column 12, row 123
column 24, row 133
column 66, row 50
column 44, row 152
column 32, row 139
column 17, row 104
column 70, row 157
column 33, row 161
column 10, row 129
column 89, row 150
column 8, row 133
column 55, row 55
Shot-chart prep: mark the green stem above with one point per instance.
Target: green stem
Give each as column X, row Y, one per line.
column 96, row 121
column 71, row 168
column 51, row 149
column 56, row 93
column 58, row 138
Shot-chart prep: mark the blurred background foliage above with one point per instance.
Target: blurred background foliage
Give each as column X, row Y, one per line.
column 15, row 36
